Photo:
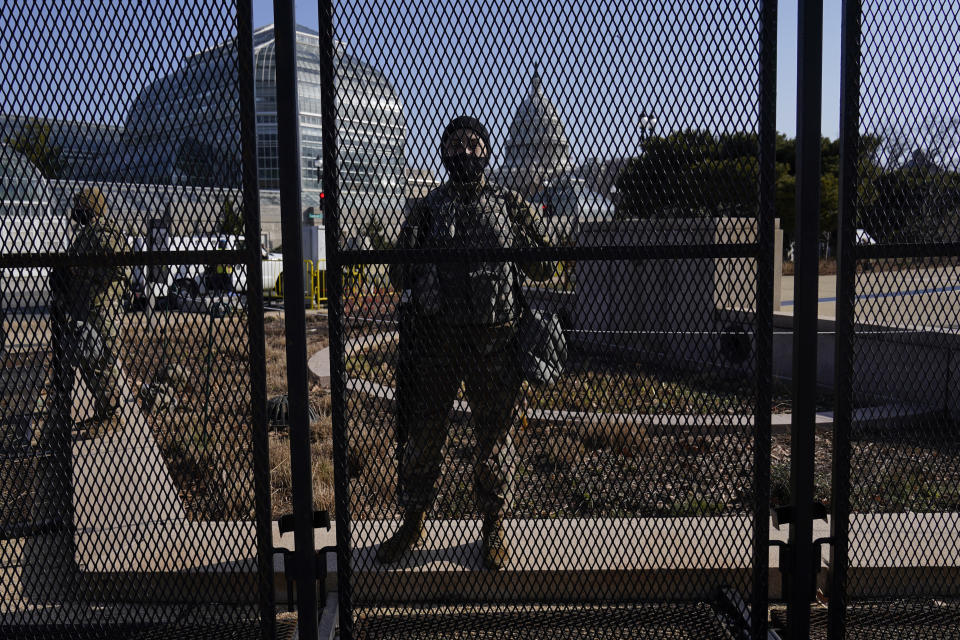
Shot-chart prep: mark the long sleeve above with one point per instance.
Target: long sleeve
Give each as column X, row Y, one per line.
column 530, row 233
column 409, row 232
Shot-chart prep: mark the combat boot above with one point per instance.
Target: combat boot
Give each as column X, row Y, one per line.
column 409, row 535
column 495, row 550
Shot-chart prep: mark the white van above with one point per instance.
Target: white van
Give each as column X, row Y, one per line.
column 27, row 226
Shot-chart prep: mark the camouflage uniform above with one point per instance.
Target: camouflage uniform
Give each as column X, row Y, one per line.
column 462, row 327
column 93, row 295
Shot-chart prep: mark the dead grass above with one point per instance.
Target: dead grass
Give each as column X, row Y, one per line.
column 321, row 437
column 594, row 385
column 207, row 439
column 595, row 467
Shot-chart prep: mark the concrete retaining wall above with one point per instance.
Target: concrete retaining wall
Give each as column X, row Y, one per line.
column 909, row 365
column 682, row 311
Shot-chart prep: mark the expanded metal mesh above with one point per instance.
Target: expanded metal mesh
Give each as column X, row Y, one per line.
column 128, row 366
column 622, row 195
column 904, row 440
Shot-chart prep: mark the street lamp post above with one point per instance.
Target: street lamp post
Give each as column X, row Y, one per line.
column 647, row 123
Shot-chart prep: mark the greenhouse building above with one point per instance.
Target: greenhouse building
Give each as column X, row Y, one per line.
column 185, row 129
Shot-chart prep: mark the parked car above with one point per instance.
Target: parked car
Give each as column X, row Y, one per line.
column 28, row 225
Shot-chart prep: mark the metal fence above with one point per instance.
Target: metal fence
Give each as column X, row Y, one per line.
column 135, row 496
column 895, row 501
column 552, row 343
column 628, row 494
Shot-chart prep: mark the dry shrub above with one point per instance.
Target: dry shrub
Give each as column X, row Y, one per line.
column 321, row 456
column 280, row 472
column 606, row 432
column 693, row 445
column 281, row 482
column 207, row 439
column 562, row 450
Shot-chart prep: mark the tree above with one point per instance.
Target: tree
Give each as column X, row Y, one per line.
column 727, row 187
column 232, row 221
column 689, row 174
column 692, row 173
column 912, row 204
column 829, row 202
column 785, row 201
column 34, row 142
column 908, row 188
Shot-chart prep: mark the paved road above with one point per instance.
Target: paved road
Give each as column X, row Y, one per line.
column 909, row 298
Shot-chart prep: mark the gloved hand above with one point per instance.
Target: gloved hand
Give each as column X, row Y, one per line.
column 426, row 289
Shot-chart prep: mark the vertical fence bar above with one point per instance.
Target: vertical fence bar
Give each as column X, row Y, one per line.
column 809, row 64
column 257, row 363
column 767, row 135
column 295, row 315
column 846, row 310
column 334, row 273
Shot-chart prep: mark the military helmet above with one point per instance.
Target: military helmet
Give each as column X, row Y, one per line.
column 469, row 123
column 91, row 201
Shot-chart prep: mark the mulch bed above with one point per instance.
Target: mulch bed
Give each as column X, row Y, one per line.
column 586, row 470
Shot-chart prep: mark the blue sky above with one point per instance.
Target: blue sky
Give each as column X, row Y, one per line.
column 786, row 53
column 88, row 60
column 600, row 68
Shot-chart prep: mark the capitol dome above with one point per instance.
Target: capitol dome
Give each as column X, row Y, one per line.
column 536, row 136
column 537, row 149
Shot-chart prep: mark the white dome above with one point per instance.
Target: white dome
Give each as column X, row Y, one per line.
column 536, row 137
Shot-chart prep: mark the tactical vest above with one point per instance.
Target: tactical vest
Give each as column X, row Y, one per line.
column 93, row 288
column 470, row 293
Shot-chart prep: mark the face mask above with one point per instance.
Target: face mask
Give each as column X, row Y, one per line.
column 465, row 168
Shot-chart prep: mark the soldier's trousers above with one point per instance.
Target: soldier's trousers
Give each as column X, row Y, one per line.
column 101, row 375
column 435, row 359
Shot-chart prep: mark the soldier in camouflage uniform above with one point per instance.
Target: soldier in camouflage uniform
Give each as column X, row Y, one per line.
column 461, row 325
column 87, row 303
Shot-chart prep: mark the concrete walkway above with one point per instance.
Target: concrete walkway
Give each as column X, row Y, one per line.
column 653, row 558
column 121, row 479
column 908, row 297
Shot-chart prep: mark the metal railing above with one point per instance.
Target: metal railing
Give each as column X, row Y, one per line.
column 316, row 275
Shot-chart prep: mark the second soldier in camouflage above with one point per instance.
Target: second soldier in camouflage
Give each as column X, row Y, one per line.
column 88, row 304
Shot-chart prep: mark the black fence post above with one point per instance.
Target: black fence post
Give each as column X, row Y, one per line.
column 764, row 317
column 331, row 218
column 258, row 370
column 846, row 289
column 809, row 65
column 288, row 114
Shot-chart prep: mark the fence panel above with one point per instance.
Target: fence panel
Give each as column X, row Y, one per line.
column 133, row 458
column 897, row 443
column 617, row 177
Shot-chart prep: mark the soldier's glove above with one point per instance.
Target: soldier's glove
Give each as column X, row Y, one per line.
column 426, row 289
column 58, row 315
